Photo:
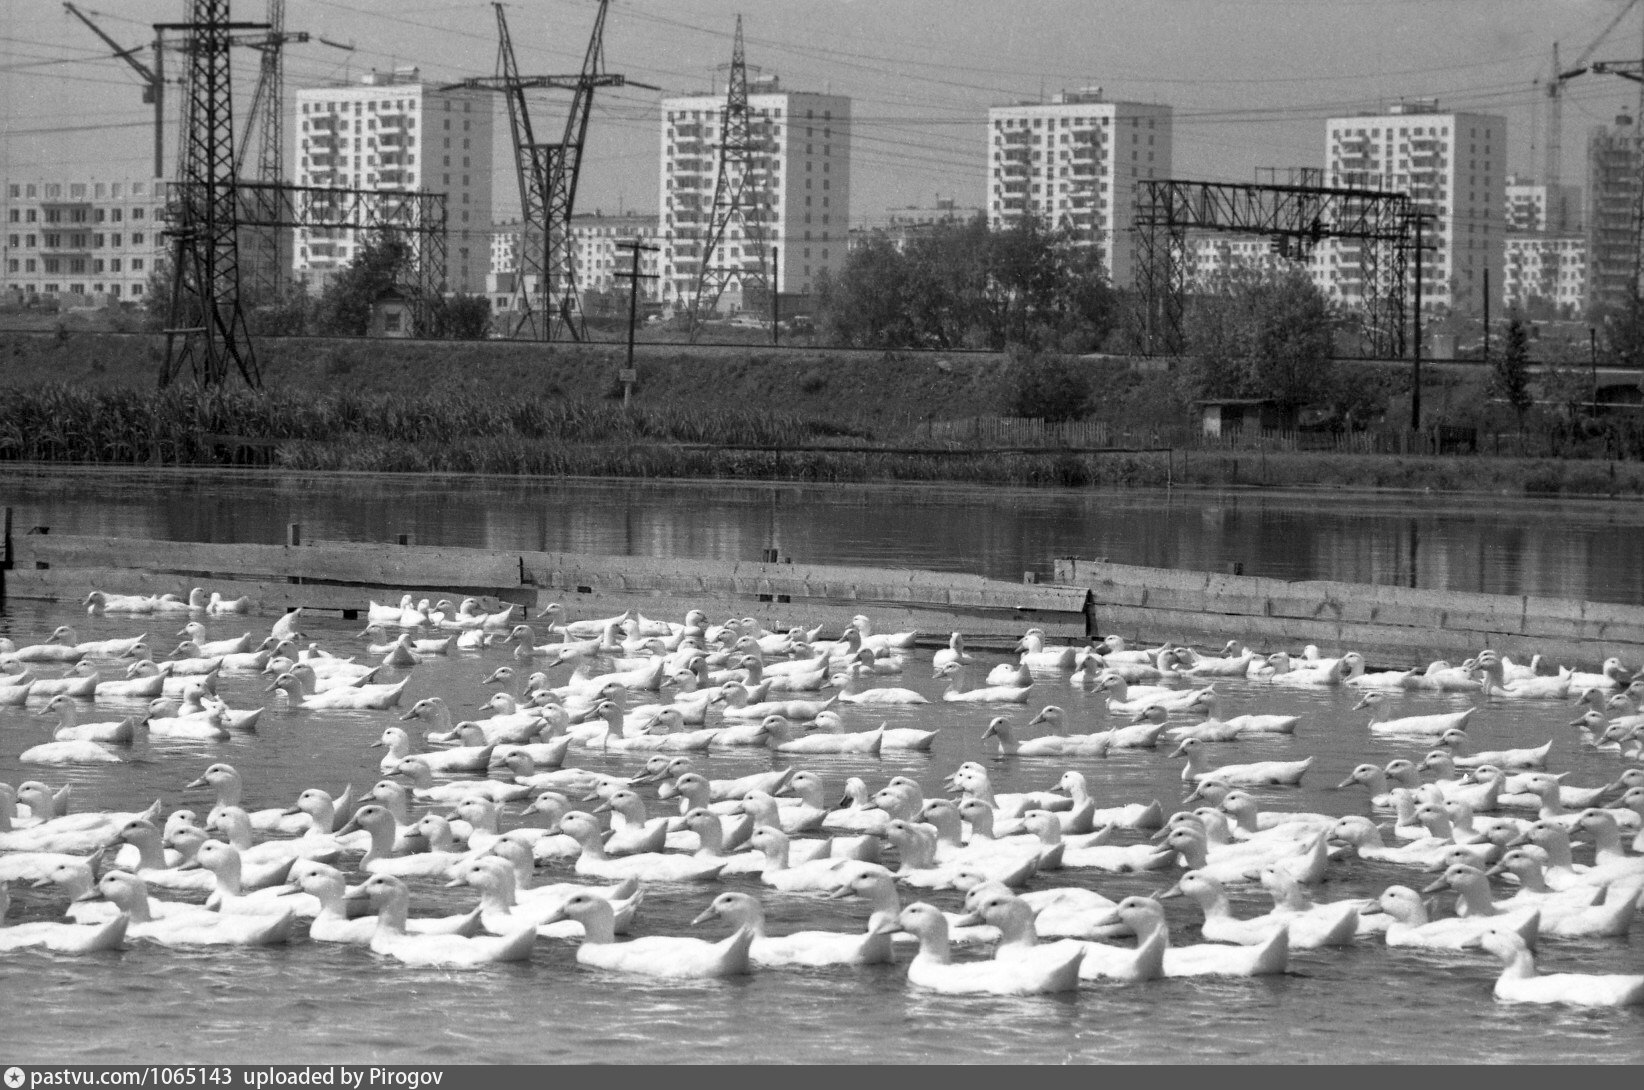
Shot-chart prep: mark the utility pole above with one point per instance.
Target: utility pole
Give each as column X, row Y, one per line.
column 776, row 299
column 154, row 80
column 633, row 276
column 1415, row 371
column 1486, row 314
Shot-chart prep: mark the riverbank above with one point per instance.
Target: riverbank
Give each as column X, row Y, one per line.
column 709, row 412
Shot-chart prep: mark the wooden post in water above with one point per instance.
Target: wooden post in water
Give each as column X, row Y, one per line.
column 5, row 559
column 293, row 538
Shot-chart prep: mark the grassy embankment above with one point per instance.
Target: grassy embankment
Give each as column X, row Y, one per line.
column 513, row 408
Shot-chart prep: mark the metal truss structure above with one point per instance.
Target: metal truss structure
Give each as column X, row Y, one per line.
column 741, row 199
column 548, row 174
column 418, row 216
column 206, row 334
column 1373, row 233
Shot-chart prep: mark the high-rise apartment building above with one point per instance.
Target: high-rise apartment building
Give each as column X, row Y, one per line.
column 800, row 171
column 1074, row 162
column 391, row 131
column 82, row 240
column 1612, row 205
column 1453, row 166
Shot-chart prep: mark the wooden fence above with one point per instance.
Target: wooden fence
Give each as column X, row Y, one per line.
column 343, row 577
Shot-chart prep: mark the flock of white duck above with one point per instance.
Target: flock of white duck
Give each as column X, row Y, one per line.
column 485, row 805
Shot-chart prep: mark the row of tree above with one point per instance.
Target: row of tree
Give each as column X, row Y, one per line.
column 343, row 307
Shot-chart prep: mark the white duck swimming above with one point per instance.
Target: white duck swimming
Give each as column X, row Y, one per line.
column 1566, row 918
column 1465, row 757
column 190, row 925
column 59, row 938
column 1255, row 773
column 455, row 759
column 1210, row 703
column 653, row 955
column 933, row 967
column 424, row 787
column 783, row 736
column 375, row 697
column 436, row 862
column 808, row 949
column 1520, row 982
column 502, row 911
column 593, row 862
column 1412, row 926
column 391, row 898
column 123, row 732
column 990, row 694
column 1381, row 721
column 1146, row 917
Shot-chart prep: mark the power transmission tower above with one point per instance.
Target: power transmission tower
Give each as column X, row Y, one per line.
column 206, row 333
column 734, row 243
column 548, row 174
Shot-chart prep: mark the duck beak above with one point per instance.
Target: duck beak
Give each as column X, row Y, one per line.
column 839, row 893
column 1177, row 752
column 290, row 810
column 706, row 914
column 1436, row 887
column 884, row 926
column 1363, row 703
column 1370, row 908
column 1173, row 891
column 455, row 882
column 88, row 895
column 602, row 807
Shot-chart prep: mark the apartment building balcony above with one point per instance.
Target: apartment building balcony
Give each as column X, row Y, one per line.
column 688, row 130
column 323, row 123
column 1015, row 187
column 393, row 121
column 1017, row 136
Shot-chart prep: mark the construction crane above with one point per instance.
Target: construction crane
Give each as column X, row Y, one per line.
column 266, row 263
column 548, row 174
column 154, row 80
column 1552, row 172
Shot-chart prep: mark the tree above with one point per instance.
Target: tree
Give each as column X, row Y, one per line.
column 1266, row 334
column 344, row 307
column 961, row 285
column 463, row 318
column 1510, row 371
column 1052, row 388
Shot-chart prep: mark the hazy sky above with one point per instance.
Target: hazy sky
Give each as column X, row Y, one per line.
column 1251, row 80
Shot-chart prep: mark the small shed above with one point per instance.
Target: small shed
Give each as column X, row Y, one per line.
column 391, row 313
column 1221, row 416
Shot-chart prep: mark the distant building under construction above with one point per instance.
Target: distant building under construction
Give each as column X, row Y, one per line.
column 1613, row 164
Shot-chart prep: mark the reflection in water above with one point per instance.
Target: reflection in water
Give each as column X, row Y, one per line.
column 1574, row 549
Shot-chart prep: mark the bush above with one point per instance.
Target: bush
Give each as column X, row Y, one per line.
column 1050, row 388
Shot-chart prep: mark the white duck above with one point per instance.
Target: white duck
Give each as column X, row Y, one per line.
column 1254, row 773
column 1412, row 926
column 593, row 862
column 1146, row 917
column 391, row 898
column 1519, row 981
column 652, row 955
column 991, row 694
column 375, row 697
column 933, row 967
column 808, row 949
column 1381, row 721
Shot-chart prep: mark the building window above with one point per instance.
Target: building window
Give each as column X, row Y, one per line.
column 136, row 264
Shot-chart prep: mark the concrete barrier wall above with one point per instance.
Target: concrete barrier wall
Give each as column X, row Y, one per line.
column 1392, row 626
